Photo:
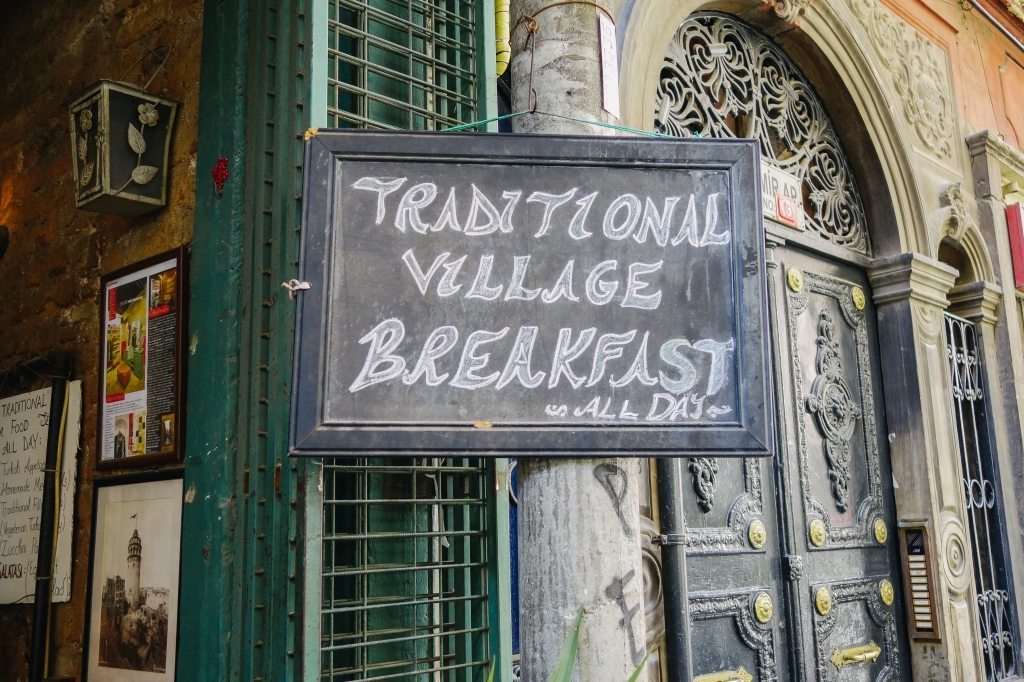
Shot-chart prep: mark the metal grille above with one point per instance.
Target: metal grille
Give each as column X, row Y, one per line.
column 721, row 78
column 404, row 584
column 981, row 499
column 401, row 63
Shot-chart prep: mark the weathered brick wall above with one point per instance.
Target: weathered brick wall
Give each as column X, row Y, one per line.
column 49, row 279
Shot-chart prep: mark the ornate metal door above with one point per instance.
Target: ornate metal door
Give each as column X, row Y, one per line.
column 792, row 563
column 840, row 560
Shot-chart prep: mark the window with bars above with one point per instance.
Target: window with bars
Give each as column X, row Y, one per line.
column 404, row 570
column 405, row 588
column 981, row 499
column 402, row 63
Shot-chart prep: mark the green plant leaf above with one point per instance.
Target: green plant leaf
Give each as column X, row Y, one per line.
column 490, row 675
column 567, row 657
column 639, row 668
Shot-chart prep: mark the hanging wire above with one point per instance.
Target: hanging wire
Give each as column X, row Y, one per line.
column 601, row 124
column 150, row 51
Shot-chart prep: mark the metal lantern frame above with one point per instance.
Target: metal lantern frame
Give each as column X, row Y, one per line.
column 120, row 146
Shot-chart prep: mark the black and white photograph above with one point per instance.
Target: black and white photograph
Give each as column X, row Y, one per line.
column 135, row 575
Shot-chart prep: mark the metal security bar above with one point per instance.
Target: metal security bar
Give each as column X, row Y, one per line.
column 981, row 500
column 404, row 570
column 401, row 63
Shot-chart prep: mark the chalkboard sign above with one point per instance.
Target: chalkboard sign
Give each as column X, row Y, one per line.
column 496, row 294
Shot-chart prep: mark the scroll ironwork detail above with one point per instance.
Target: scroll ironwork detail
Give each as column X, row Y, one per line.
column 721, row 78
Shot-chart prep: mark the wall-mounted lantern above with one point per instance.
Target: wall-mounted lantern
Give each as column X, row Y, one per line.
column 120, row 143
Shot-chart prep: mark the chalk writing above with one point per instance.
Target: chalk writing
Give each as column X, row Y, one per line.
column 609, row 293
column 23, row 434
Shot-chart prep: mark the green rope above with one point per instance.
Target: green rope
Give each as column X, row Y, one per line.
column 602, row 124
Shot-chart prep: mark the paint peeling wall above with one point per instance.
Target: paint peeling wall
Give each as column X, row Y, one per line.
column 49, row 278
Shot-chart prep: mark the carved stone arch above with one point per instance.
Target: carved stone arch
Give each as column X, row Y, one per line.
column 960, row 242
column 830, row 46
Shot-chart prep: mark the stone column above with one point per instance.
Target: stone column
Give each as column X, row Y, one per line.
column 910, row 293
column 579, row 535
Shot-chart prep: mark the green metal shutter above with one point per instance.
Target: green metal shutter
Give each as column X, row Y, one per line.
column 410, row 555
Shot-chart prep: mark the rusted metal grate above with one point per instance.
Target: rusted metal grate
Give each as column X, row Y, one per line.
column 407, row 64
column 404, row 570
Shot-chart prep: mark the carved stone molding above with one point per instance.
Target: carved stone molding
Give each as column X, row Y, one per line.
column 788, row 10
column 977, row 302
column 955, row 556
column 919, row 75
column 954, row 218
column 911, row 276
column 1017, row 8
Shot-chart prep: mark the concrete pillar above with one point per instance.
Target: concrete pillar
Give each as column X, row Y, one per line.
column 579, row 536
column 910, row 292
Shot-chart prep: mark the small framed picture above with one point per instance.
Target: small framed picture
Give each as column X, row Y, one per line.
column 132, row 619
column 142, row 361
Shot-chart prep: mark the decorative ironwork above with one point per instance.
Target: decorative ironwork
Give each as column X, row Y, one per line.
column 981, row 499
column 887, row 592
column 865, row 653
column 757, row 534
column 870, row 507
column 755, row 635
column 817, row 532
column 763, row 607
column 823, row 601
column 721, row 78
column 704, row 470
column 881, row 531
column 858, row 298
column 864, row 591
column 836, row 412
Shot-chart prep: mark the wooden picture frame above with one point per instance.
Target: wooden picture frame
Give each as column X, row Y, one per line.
column 131, row 628
column 143, row 325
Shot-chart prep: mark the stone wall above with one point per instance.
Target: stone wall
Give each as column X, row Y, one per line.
column 49, row 278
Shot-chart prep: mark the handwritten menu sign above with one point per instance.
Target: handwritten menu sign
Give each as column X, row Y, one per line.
column 478, row 293
column 24, row 421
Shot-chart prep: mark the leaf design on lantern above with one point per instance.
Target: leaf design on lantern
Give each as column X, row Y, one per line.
column 87, row 173
column 83, row 147
column 135, row 140
column 143, row 174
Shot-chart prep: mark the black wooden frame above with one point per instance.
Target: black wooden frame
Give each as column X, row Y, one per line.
column 750, row 434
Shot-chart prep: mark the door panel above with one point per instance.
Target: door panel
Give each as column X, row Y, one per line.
column 740, row 625
column 844, row 599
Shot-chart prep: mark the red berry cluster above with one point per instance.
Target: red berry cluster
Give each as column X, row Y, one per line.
column 220, row 173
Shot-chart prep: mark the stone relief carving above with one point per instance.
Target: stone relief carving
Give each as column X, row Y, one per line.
column 1017, row 8
column 721, row 78
column 836, row 412
column 954, row 217
column 919, row 74
column 788, row 10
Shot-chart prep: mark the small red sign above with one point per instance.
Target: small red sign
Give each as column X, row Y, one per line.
column 786, row 210
column 1015, row 223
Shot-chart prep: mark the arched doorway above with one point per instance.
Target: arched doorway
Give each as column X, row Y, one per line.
column 792, row 564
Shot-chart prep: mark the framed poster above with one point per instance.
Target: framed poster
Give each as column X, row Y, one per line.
column 142, row 362
column 132, row 620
